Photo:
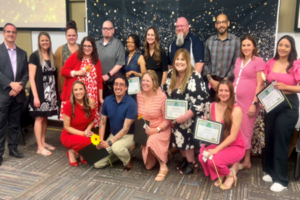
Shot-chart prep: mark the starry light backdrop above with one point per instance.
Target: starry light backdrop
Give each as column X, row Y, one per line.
column 255, row 17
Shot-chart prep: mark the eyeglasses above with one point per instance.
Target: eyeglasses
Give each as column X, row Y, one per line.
column 222, row 22
column 119, row 84
column 107, row 29
column 87, row 46
column 13, row 32
column 180, row 26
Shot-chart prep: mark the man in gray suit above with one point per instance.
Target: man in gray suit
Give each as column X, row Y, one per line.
column 13, row 78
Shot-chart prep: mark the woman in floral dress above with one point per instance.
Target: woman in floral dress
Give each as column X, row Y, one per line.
column 184, row 83
column 84, row 66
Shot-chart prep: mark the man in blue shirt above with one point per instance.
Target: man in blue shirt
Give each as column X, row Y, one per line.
column 121, row 110
column 189, row 42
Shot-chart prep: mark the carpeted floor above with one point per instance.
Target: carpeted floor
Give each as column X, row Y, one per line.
column 38, row 177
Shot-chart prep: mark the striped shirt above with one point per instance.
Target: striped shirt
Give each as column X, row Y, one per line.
column 220, row 56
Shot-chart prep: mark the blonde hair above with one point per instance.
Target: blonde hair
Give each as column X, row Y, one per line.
column 153, row 77
column 49, row 51
column 188, row 71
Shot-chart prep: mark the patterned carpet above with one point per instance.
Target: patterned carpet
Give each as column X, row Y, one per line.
column 38, row 177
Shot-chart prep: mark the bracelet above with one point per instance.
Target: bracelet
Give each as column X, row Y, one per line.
column 72, row 73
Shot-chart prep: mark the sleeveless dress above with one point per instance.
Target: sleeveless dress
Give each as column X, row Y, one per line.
column 133, row 64
column 228, row 156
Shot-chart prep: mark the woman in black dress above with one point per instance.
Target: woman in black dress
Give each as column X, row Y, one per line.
column 155, row 57
column 184, row 83
column 43, row 93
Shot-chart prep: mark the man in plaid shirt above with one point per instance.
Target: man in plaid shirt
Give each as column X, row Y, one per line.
column 221, row 52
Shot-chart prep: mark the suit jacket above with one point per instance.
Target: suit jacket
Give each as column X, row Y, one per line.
column 7, row 75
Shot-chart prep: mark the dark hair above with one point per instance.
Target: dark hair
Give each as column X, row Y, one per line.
column 122, row 77
column 251, row 38
column 136, row 40
column 86, row 103
column 156, row 54
column 94, row 52
column 293, row 54
column 71, row 25
column 230, row 104
column 9, row 24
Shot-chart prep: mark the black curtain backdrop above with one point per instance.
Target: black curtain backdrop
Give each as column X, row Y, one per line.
column 255, row 17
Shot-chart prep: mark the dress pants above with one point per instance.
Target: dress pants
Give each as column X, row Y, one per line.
column 119, row 150
column 10, row 112
column 279, row 126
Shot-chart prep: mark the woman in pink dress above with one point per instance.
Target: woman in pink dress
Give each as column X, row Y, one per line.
column 232, row 148
column 248, row 82
column 151, row 104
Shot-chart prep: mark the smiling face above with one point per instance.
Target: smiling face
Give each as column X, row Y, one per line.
column 224, row 92
column 71, row 36
column 10, row 34
column 222, row 24
column 44, row 42
column 182, row 26
column 78, row 91
column 150, row 38
column 247, row 48
column 180, row 63
column 147, row 83
column 87, row 48
column 120, row 87
column 284, row 48
column 130, row 44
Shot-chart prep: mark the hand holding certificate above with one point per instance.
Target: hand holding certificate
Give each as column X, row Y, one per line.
column 175, row 108
column 208, row 131
column 134, row 85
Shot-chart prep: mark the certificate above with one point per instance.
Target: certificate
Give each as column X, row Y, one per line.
column 270, row 97
column 175, row 108
column 134, row 85
column 208, row 131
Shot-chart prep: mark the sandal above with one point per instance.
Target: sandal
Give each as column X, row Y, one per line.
column 191, row 168
column 44, row 152
column 161, row 175
column 231, row 175
column 49, row 147
column 217, row 182
column 182, row 164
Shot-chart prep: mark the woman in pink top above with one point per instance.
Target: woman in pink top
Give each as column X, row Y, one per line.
column 280, row 122
column 248, row 82
column 232, row 148
column 151, row 104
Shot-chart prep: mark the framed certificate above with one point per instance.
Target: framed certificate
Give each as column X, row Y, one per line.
column 208, row 131
column 134, row 85
column 270, row 97
column 175, row 108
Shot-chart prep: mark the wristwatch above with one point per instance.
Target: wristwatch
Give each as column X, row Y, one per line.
column 109, row 142
column 254, row 103
column 108, row 74
column 159, row 130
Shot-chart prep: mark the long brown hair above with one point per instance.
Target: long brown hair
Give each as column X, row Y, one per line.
column 156, row 54
column 188, row 71
column 86, row 103
column 230, row 104
column 94, row 55
column 251, row 38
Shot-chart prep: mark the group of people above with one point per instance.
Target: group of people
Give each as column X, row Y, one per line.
column 220, row 81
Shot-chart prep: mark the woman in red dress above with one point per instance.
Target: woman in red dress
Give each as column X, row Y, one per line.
column 83, row 66
column 79, row 114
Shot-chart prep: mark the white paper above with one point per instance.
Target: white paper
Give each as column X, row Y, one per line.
column 208, row 131
column 175, row 108
column 134, row 85
column 270, row 98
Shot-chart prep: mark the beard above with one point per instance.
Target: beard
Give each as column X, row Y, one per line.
column 223, row 32
column 180, row 39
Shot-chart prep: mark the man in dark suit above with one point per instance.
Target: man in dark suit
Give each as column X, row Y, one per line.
column 13, row 78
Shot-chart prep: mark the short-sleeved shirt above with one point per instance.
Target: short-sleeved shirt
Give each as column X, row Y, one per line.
column 110, row 54
column 118, row 112
column 193, row 45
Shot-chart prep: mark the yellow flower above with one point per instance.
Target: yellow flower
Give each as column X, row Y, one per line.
column 95, row 139
column 88, row 68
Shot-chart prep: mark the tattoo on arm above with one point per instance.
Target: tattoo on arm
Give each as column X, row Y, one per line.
column 124, row 130
column 208, row 77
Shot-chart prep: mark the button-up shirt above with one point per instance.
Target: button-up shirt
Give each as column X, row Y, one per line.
column 220, row 55
column 13, row 58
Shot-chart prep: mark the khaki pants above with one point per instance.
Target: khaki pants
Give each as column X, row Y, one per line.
column 119, row 150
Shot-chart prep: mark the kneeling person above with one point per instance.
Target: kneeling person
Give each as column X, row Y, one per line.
column 121, row 110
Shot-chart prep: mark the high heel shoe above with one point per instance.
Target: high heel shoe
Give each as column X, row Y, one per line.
column 231, row 175
column 191, row 168
column 83, row 161
column 182, row 164
column 75, row 164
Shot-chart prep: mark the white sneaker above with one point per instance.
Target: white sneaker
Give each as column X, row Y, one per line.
column 267, row 178
column 277, row 187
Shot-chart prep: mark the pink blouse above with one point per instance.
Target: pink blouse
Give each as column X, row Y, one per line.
column 289, row 79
